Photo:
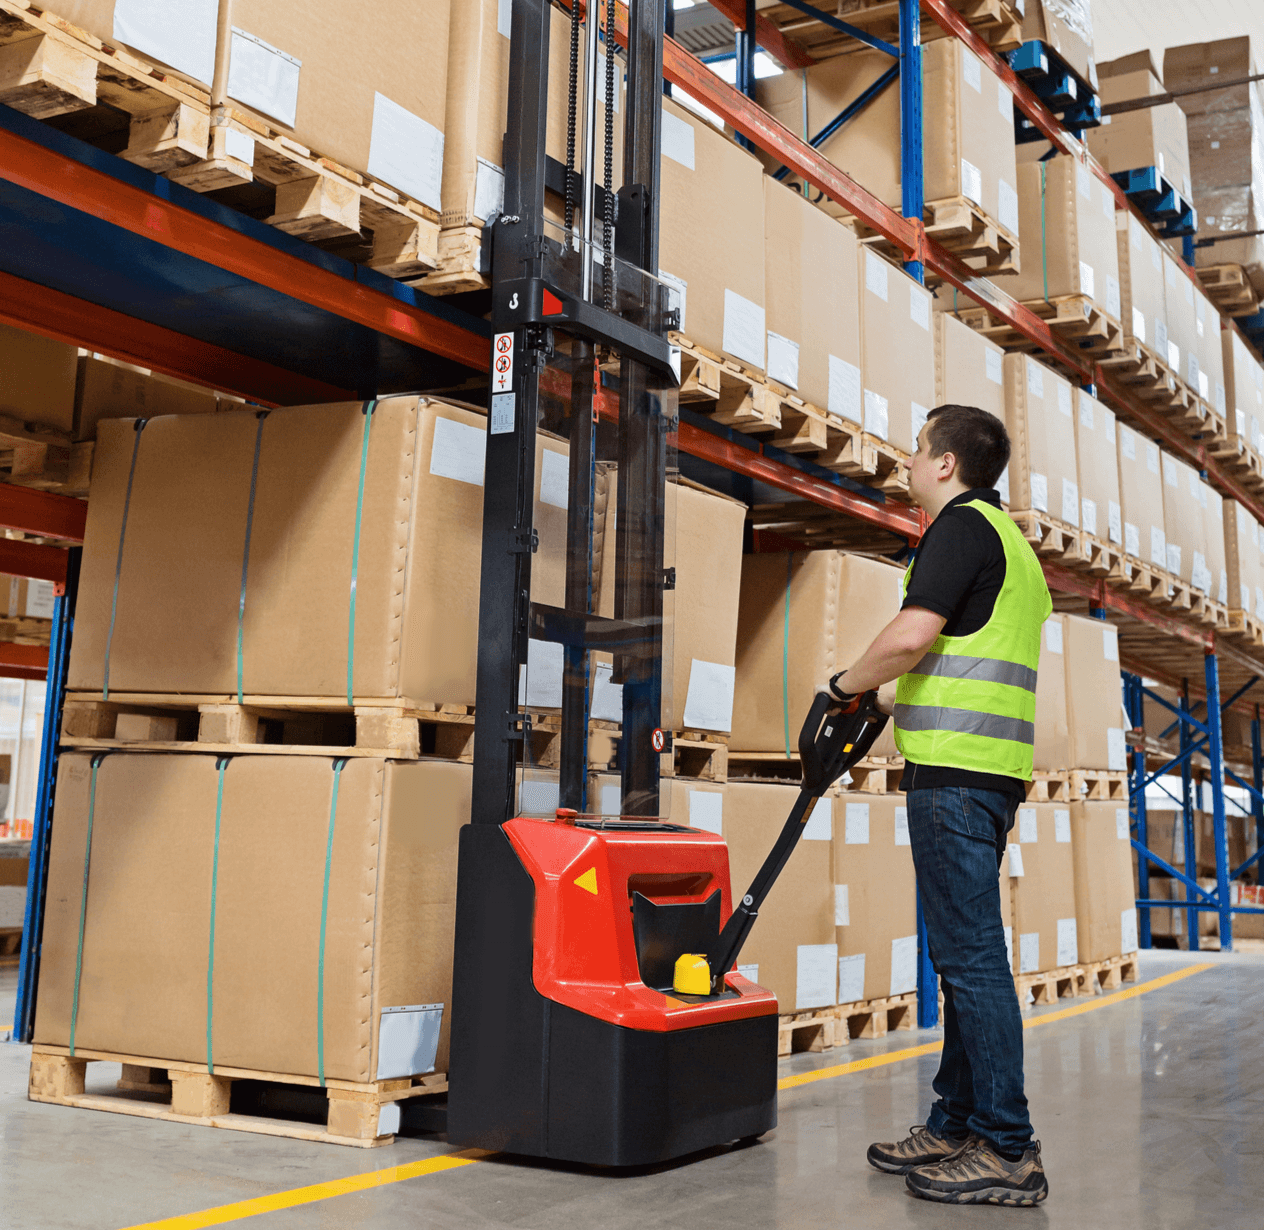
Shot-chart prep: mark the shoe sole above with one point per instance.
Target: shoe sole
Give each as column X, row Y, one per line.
column 1007, row 1196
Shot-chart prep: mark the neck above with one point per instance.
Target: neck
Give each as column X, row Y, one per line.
column 941, row 497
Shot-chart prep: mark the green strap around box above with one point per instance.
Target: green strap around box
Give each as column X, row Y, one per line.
column 139, row 427
column 221, row 764
column 785, row 657
column 83, row 898
column 369, row 408
column 245, row 554
column 338, row 766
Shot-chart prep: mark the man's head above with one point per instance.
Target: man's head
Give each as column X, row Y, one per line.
column 959, row 448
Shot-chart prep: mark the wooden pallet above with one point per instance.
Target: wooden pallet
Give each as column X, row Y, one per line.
column 877, row 776
column 1049, row 986
column 1229, row 288
column 170, row 128
column 962, row 228
column 1235, row 455
column 21, row 630
column 809, row 1031
column 10, row 946
column 1102, row 785
column 1109, row 974
column 1246, row 629
column 458, row 256
column 360, row 1114
column 1049, row 787
column 1077, row 319
column 874, row 1018
column 1099, row 558
column 1050, row 537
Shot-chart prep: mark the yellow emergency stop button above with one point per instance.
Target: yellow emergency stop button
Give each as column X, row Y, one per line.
column 693, row 975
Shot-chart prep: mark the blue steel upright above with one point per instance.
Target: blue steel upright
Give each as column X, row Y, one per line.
column 1189, row 835
column 911, row 140
column 1134, row 702
column 1257, row 778
column 744, row 49
column 1215, row 754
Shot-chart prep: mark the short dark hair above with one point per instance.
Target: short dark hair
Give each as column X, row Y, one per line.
column 976, row 438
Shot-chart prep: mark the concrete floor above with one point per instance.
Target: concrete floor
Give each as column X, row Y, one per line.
column 1150, row 1112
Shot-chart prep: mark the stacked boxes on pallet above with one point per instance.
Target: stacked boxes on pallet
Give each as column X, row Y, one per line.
column 1142, row 289
column 1040, row 415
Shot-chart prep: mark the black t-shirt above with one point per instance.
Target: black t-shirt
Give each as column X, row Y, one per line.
column 958, row 572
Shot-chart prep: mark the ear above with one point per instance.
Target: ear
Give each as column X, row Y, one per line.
column 947, row 465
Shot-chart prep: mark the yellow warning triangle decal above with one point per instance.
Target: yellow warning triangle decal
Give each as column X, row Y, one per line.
column 588, row 881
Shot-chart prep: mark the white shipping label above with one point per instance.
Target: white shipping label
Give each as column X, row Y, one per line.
column 555, row 478
column 1088, row 515
column 678, row 140
column 972, row 75
column 1116, row 750
column 919, row 306
column 816, row 974
column 504, row 17
column 489, row 190
column 876, row 422
column 1169, row 471
column 238, row 145
column 1061, row 825
column 1070, row 502
column 544, row 675
column 920, row 415
column 1113, row 515
column 1110, row 427
column 1191, row 371
column 1128, row 443
column 706, row 810
column 458, row 451
column 1068, row 946
column 1035, row 378
column 842, row 913
column 264, row 77
column 994, row 364
column 40, row 596
column 1173, row 560
column 1084, row 181
column 1110, row 643
column 1128, row 930
column 1029, row 952
column 851, row 978
column 1220, row 402
column 1189, row 290
column 844, row 389
column 1158, row 547
column 901, row 826
column 678, row 292
column 1204, row 386
column 1007, row 206
column 709, row 700
column 903, row 964
column 971, row 182
column 1004, row 101
column 1113, row 306
column 1138, row 325
column 1108, row 202
column 783, row 360
column 1170, row 272
column 1039, row 492
column 856, row 825
column 1053, row 635
column 612, row 805
column 1086, row 410
column 1015, row 852
column 1087, row 281
column 406, row 151
column 607, row 696
column 1156, row 257
column 1121, row 823
column 744, row 329
column 1027, row 829
column 1132, row 540
column 819, row 825
column 1152, row 457
column 182, row 35
column 876, row 274
column 1173, row 356
column 1134, row 230
column 1064, row 399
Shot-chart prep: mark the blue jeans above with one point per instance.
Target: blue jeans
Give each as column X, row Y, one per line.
column 958, row 838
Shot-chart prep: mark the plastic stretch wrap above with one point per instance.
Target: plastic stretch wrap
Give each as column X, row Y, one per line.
column 1076, row 13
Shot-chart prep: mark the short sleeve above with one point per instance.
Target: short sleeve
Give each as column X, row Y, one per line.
column 949, row 561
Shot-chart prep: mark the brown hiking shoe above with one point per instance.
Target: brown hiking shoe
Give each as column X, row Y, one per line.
column 920, row 1148
column 979, row 1175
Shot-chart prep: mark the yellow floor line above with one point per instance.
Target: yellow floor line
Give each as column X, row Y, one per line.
column 929, row 1048
column 449, row 1161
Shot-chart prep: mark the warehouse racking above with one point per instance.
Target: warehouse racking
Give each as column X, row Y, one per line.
column 117, row 259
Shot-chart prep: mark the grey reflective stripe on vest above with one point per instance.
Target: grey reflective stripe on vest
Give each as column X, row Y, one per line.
column 986, row 670
column 964, row 721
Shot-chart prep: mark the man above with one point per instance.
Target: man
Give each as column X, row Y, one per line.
column 965, row 648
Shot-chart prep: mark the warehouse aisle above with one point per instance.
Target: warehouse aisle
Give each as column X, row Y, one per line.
column 1185, row 1061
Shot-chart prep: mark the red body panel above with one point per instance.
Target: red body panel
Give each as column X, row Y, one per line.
column 585, row 951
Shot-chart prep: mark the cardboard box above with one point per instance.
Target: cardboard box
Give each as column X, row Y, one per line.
column 108, row 389
column 1039, row 413
column 969, row 371
column 1201, row 64
column 803, row 618
column 813, row 315
column 1182, row 322
column 967, row 127
column 1244, row 390
column 1183, row 524
column 1067, row 27
column 24, row 598
column 159, row 842
column 1143, row 300
column 1216, row 575
column 176, row 617
column 39, row 379
column 1209, row 350
column 182, row 38
column 1105, row 909
column 1235, row 838
column 1155, row 137
column 792, row 948
column 1101, row 513
column 1165, row 836
column 898, row 370
column 1052, row 750
column 1244, row 576
column 1094, row 695
column 1067, row 217
column 1042, row 881
column 875, row 897
column 1141, row 495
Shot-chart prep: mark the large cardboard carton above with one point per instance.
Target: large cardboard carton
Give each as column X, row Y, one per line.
column 898, row 371
column 270, row 837
column 181, row 37
column 1165, row 836
column 969, row 371
column 1039, row 413
column 813, row 314
column 1067, row 216
column 1101, row 513
column 1105, row 913
column 1205, row 840
column 1141, row 495
column 792, row 949
column 712, row 236
column 1052, row 750
column 967, row 126
column 1183, row 522
column 108, row 389
column 803, row 617
column 24, row 598
column 1143, row 301
column 187, row 611
column 1216, row 573
column 1067, row 27
column 1042, row 881
column 1094, row 694
column 1154, row 137
column 38, row 384
column 1244, row 390
column 875, row 897
column 1244, row 576
column 1164, row 921
column 1182, row 322
column 1197, row 65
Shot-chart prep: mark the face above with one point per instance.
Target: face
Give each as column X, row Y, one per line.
column 924, row 470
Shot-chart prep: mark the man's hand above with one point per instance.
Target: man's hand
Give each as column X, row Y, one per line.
column 886, row 698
